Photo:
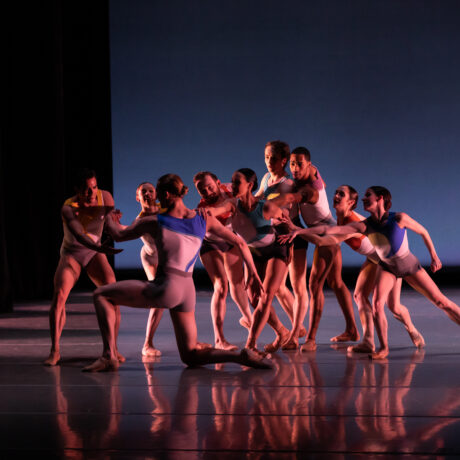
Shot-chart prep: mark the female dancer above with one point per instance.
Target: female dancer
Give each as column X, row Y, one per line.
column 146, row 196
column 275, row 182
column 178, row 235
column 345, row 201
column 252, row 221
column 387, row 231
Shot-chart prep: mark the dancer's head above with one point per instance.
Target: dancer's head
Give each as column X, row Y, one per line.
column 276, row 156
column 345, row 198
column 244, row 181
column 170, row 187
column 85, row 184
column 300, row 163
column 375, row 195
column 146, row 194
column 208, row 186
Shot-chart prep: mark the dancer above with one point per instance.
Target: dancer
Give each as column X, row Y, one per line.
column 275, row 182
column 387, row 231
column 146, row 196
column 252, row 220
column 345, row 201
column 327, row 260
column 222, row 261
column 178, row 234
column 83, row 217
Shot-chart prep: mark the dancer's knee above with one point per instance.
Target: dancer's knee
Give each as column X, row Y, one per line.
column 220, row 288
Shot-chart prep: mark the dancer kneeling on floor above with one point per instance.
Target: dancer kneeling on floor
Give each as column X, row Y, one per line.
column 178, row 235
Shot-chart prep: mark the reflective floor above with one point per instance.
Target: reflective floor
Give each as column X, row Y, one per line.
column 312, row 405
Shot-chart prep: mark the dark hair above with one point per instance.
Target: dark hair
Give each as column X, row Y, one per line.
column 250, row 176
column 302, row 151
column 81, row 176
column 202, row 174
column 279, row 148
column 173, row 184
column 353, row 195
column 383, row 192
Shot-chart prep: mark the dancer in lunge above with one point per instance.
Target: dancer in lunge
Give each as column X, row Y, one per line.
column 387, row 231
column 345, row 202
column 178, row 234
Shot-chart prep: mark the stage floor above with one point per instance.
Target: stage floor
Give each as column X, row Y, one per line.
column 323, row 405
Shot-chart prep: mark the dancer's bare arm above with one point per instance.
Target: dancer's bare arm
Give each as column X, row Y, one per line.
column 314, row 235
column 305, row 194
column 138, row 228
column 214, row 211
column 215, row 227
column 260, row 192
column 350, row 230
column 78, row 231
column 406, row 221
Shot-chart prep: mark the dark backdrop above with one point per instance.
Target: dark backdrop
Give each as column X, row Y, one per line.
column 56, row 118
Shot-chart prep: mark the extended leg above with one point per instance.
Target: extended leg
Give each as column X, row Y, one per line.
column 401, row 313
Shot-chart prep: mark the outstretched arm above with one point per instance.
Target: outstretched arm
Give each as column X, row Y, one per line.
column 406, row 221
column 138, row 228
column 314, row 235
column 215, row 227
column 347, row 231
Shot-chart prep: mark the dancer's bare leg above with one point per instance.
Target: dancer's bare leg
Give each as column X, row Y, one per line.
column 423, row 283
column 401, row 313
column 132, row 293
column 235, row 271
column 322, row 263
column 384, row 285
column 213, row 262
column 298, row 277
column 67, row 274
column 100, row 272
column 343, row 295
column 185, row 329
column 148, row 349
column 363, row 289
column 155, row 314
column 275, row 272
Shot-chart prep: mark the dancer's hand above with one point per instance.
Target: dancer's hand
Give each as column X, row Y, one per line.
column 288, row 238
column 203, row 212
column 436, row 264
column 254, row 283
column 116, row 216
column 105, row 248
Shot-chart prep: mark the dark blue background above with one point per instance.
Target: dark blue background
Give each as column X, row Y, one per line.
column 370, row 87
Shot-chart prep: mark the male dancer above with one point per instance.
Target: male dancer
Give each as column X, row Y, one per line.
column 222, row 261
column 83, row 217
column 327, row 260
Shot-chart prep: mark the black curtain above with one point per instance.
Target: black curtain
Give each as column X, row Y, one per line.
column 56, row 115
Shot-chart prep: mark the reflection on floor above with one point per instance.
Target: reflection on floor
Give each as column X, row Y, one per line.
column 319, row 403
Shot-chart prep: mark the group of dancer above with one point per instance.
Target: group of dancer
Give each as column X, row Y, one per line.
column 249, row 238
